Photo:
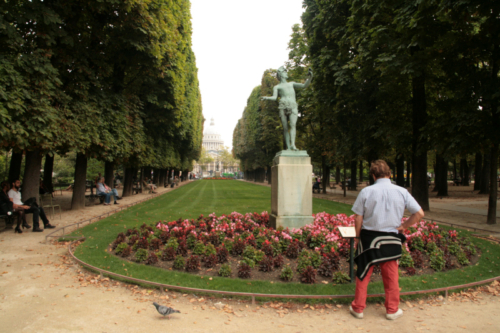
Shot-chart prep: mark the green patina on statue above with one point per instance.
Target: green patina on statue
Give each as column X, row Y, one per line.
column 288, row 104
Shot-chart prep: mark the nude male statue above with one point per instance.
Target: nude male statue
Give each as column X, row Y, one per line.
column 288, row 105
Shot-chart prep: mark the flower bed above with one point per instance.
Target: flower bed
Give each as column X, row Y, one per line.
column 219, row 178
column 243, row 246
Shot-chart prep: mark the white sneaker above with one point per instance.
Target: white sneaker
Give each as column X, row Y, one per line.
column 394, row 315
column 355, row 314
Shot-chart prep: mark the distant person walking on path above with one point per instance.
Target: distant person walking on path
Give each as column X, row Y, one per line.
column 379, row 209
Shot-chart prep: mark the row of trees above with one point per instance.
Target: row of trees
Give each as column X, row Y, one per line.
column 401, row 79
column 112, row 80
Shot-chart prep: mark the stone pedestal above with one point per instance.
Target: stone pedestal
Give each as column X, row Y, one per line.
column 291, row 190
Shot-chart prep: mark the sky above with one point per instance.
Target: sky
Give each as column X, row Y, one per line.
column 234, row 42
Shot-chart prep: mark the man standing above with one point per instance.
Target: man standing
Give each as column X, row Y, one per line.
column 288, row 104
column 379, row 209
column 37, row 212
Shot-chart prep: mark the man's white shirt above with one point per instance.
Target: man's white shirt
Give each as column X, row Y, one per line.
column 16, row 195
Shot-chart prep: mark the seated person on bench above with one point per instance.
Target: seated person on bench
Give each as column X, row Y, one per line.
column 31, row 208
column 152, row 187
column 316, row 185
column 105, row 191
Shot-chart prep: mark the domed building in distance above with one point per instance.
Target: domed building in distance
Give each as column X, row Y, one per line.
column 212, row 140
column 217, row 164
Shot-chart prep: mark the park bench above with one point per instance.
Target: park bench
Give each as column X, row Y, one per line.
column 8, row 219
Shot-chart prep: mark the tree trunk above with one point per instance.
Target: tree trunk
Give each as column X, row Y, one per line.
column 141, row 178
column 354, row 165
column 408, row 172
column 492, row 200
column 15, row 167
column 464, row 169
column 478, row 166
column 337, row 174
column 31, row 178
column 455, row 176
column 361, row 171
column 420, row 190
column 436, row 174
column 345, row 179
column 48, row 169
column 442, row 179
column 485, row 173
column 269, row 174
column 128, row 181
column 80, row 186
column 163, row 177
column 400, row 167
column 156, row 177
column 109, row 173
column 326, row 176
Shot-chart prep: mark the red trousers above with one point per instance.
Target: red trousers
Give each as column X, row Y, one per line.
column 390, row 276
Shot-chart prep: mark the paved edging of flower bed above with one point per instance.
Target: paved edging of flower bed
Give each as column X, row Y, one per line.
column 253, row 295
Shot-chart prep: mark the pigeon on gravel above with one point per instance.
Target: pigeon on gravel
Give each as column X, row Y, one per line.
column 165, row 310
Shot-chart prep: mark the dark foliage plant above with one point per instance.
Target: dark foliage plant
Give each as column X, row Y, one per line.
column 266, row 264
column 193, row 263
column 308, row 275
column 222, row 254
column 142, row 243
column 164, row 236
column 268, row 249
column 244, row 271
column 411, row 271
column 133, row 239
column 292, row 251
column 418, row 259
column 151, row 259
column 238, row 247
column 155, row 244
column 326, row 268
column 278, row 261
column 210, row 260
column 126, row 251
column 168, row 254
column 182, row 249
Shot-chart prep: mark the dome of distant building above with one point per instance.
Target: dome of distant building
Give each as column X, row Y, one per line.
column 212, row 140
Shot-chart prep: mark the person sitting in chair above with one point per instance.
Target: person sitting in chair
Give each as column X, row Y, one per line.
column 105, row 191
column 33, row 208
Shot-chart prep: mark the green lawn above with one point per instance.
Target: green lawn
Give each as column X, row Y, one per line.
column 226, row 196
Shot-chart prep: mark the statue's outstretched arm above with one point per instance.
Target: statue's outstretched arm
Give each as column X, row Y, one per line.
column 305, row 84
column 273, row 97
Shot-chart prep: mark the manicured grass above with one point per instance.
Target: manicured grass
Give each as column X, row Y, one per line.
column 226, row 196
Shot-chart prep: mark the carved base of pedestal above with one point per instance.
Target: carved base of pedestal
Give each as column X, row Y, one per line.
column 289, row 221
